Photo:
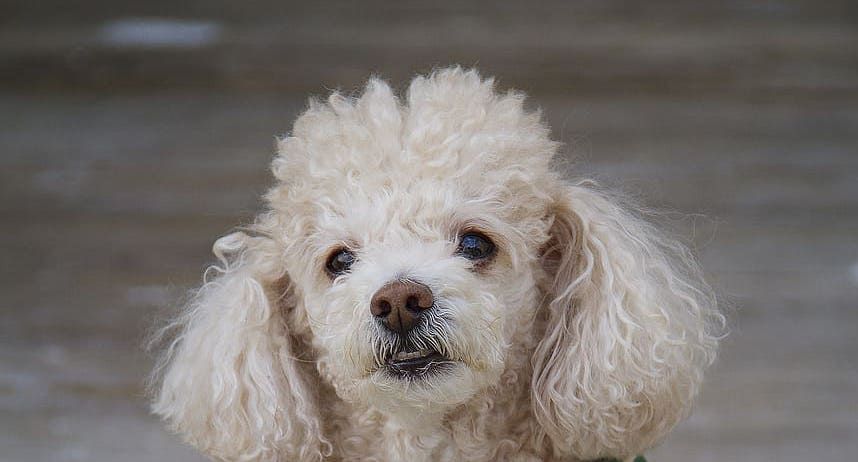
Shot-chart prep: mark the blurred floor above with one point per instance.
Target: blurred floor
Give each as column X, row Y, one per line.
column 123, row 157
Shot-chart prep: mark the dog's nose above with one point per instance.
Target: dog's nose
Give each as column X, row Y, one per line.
column 399, row 303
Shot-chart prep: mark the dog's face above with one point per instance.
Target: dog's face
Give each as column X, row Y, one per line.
column 415, row 288
column 416, row 252
column 416, row 264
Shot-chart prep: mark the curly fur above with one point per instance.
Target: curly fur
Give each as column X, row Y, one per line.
column 586, row 337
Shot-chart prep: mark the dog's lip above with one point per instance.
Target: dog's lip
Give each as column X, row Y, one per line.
column 417, row 363
column 411, row 355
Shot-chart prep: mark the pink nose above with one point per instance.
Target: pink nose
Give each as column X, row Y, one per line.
column 399, row 303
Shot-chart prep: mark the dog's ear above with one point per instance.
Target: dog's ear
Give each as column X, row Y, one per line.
column 229, row 382
column 630, row 327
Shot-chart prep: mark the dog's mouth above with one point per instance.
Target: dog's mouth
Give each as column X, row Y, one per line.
column 417, row 364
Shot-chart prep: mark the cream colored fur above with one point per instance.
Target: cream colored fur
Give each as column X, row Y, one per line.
column 586, row 337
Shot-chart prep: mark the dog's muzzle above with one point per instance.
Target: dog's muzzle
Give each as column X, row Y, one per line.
column 400, row 306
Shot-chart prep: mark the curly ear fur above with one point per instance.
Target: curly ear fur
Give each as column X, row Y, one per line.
column 630, row 329
column 229, row 382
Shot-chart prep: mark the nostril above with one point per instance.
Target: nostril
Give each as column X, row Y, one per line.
column 413, row 304
column 383, row 308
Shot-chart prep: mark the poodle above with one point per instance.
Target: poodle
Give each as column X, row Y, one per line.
column 423, row 284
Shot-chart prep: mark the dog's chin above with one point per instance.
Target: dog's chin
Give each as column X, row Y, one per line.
column 421, row 385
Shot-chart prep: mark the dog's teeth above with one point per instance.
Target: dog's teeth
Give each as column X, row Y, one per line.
column 402, row 355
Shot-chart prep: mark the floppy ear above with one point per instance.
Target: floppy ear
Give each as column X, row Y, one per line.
column 228, row 382
column 630, row 329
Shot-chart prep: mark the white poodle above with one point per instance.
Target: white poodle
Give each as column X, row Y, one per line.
column 424, row 286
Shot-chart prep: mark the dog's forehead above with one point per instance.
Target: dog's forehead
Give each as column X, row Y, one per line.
column 450, row 142
column 424, row 208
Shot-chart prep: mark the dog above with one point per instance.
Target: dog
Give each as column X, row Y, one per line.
column 423, row 284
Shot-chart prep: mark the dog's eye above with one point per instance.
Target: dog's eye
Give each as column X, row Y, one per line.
column 339, row 262
column 475, row 246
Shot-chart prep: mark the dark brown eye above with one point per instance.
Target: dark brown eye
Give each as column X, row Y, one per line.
column 340, row 261
column 475, row 246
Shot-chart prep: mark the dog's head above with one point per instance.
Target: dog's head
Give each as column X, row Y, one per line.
column 412, row 252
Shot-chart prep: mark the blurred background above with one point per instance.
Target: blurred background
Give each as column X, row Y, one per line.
column 134, row 133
